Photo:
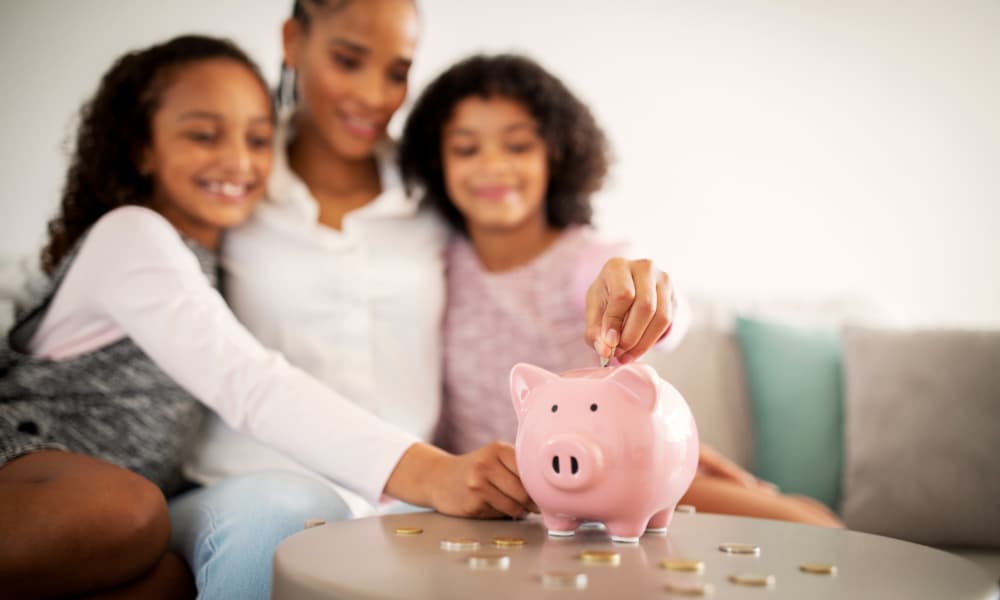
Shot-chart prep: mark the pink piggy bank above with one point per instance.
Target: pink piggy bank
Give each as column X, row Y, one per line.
column 615, row 445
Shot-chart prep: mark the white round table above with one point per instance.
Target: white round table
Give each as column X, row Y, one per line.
column 367, row 559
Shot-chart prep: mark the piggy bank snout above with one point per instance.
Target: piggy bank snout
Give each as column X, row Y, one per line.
column 571, row 462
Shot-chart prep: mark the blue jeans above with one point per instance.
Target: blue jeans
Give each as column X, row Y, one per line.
column 228, row 531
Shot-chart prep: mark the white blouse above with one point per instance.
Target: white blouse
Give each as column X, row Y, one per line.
column 359, row 308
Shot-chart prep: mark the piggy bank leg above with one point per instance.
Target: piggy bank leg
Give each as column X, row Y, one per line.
column 559, row 526
column 625, row 532
column 659, row 522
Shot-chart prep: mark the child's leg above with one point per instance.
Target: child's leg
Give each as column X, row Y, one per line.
column 228, row 531
column 716, row 495
column 74, row 525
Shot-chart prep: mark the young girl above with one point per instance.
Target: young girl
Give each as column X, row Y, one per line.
column 105, row 377
column 510, row 157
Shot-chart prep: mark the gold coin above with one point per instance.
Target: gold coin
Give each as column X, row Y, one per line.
column 564, row 580
column 507, row 542
column 690, row 589
column 753, row 580
column 489, row 561
column 685, row 509
column 682, row 564
column 601, row 557
column 459, row 544
column 409, row 531
column 732, row 548
column 818, row 568
column 310, row 523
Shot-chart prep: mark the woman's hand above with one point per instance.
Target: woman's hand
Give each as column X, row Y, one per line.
column 483, row 483
column 629, row 307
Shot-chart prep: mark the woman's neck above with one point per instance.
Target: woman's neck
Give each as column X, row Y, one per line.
column 505, row 249
column 339, row 184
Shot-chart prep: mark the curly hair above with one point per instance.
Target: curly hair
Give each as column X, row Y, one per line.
column 577, row 149
column 115, row 128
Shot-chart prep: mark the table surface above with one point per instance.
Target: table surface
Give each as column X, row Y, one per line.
column 366, row 558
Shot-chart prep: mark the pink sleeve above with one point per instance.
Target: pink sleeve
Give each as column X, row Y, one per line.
column 589, row 265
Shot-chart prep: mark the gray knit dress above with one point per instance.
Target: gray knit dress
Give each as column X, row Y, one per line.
column 114, row 403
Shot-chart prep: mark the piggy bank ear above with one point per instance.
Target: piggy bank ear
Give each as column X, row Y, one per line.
column 640, row 381
column 524, row 378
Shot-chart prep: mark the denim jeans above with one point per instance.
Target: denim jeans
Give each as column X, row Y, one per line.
column 228, row 531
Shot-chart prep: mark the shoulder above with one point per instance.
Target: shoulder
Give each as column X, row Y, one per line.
column 134, row 235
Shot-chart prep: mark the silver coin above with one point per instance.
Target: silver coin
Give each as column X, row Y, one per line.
column 563, row 580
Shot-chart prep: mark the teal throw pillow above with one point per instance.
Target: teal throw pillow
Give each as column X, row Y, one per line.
column 796, row 394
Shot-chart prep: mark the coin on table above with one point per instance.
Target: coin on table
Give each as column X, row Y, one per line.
column 508, row 542
column 682, row 564
column 564, row 580
column 732, row 548
column 489, row 561
column 818, row 568
column 685, row 509
column 309, row 524
column 409, row 531
column 695, row 588
column 750, row 580
column 601, row 557
column 459, row 544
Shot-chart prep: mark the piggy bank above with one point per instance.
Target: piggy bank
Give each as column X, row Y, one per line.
column 614, row 445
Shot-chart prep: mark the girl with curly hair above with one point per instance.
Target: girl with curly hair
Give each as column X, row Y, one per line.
column 103, row 380
column 510, row 157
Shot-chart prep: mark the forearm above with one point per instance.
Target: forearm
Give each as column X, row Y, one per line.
column 411, row 480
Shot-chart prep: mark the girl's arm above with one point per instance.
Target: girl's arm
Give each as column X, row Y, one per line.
column 141, row 275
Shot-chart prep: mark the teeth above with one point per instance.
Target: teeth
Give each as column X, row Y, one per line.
column 360, row 122
column 231, row 190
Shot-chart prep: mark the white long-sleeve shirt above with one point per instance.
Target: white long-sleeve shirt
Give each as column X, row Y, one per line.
column 359, row 308
column 134, row 276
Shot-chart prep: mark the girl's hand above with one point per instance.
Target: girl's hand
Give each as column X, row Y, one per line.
column 712, row 462
column 483, row 483
column 629, row 307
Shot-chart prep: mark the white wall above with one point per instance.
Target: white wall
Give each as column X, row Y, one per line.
column 776, row 147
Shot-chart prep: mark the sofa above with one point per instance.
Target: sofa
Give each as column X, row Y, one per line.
column 887, row 423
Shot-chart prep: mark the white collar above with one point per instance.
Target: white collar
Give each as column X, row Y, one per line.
column 287, row 191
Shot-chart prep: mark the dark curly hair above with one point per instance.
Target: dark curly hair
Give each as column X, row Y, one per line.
column 115, row 128
column 577, row 149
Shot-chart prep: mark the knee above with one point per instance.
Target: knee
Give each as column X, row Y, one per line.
column 137, row 521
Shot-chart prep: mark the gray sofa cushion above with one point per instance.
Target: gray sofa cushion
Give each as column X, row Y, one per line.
column 922, row 420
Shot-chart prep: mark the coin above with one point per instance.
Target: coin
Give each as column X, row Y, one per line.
column 682, row 564
column 508, row 542
column 818, row 568
column 459, row 544
column 690, row 589
column 753, row 580
column 409, row 531
column 733, row 548
column 685, row 509
column 601, row 557
column 310, row 523
column 564, row 580
column 489, row 561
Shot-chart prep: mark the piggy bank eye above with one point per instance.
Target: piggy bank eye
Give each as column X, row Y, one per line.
column 593, row 408
column 555, row 407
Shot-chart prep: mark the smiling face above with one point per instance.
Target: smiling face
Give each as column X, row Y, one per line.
column 495, row 164
column 211, row 148
column 352, row 65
